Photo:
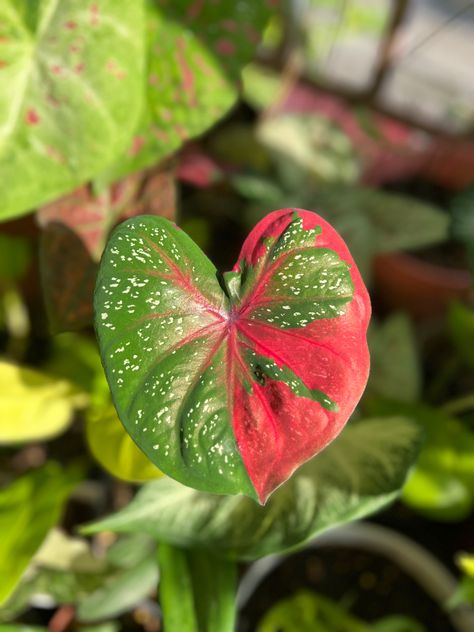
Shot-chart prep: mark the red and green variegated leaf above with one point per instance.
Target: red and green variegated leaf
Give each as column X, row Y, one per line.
column 75, row 230
column 230, row 383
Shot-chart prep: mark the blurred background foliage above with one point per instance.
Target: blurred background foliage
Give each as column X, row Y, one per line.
column 213, row 114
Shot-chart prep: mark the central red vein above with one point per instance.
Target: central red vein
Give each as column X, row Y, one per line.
column 233, row 346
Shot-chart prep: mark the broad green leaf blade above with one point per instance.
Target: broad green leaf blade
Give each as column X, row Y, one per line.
column 130, row 550
column 195, row 52
column 218, row 383
column 197, row 590
column 33, row 405
column 29, row 507
column 113, row 448
column 390, row 221
column 359, row 473
column 71, row 78
column 120, row 593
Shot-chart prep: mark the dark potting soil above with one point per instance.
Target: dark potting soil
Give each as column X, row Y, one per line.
column 369, row 585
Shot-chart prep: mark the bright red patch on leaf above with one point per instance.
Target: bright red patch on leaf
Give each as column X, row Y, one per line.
column 330, row 354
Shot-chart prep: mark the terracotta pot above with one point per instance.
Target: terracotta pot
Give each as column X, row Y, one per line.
column 423, row 289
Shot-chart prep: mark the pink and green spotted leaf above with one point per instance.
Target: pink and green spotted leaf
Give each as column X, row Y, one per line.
column 196, row 50
column 230, row 382
column 71, row 76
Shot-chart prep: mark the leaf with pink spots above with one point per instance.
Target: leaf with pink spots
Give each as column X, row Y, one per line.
column 71, row 75
column 196, row 50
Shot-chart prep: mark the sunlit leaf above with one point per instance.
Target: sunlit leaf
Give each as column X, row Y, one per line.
column 33, row 405
column 113, row 448
column 29, row 507
column 65, row 553
column 70, row 94
column 195, row 52
column 441, row 485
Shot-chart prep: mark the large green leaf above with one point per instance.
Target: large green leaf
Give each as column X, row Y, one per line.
column 362, row 471
column 29, row 507
column 197, row 590
column 71, row 76
column 195, row 52
column 33, row 405
column 371, row 221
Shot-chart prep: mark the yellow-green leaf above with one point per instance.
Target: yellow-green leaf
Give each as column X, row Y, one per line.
column 113, row 448
column 466, row 563
column 29, row 508
column 33, row 405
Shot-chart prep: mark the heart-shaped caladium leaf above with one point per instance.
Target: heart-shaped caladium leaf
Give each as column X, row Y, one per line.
column 229, row 383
